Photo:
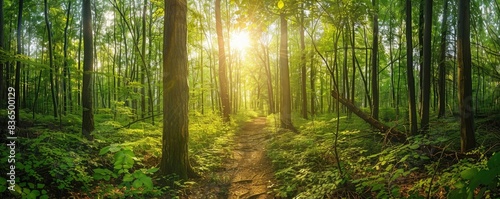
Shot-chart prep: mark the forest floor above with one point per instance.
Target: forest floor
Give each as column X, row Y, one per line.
column 247, row 173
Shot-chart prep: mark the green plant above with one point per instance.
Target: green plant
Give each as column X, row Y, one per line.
column 486, row 179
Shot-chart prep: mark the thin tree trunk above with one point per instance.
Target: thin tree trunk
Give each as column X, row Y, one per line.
column 65, row 61
column 303, row 66
column 426, row 69
column 223, row 82
column 374, row 72
column 3, row 78
column 18, row 63
column 409, row 71
column 442, row 64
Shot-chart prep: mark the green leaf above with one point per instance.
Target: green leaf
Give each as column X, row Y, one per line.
column 104, row 150
column 137, row 183
column 40, row 186
column 281, row 4
column 152, row 170
column 128, row 178
column 494, row 161
column 469, row 173
column 414, row 146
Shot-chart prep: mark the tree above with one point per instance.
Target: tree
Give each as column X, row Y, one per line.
column 426, row 69
column 18, row 63
column 442, row 64
column 374, row 71
column 53, row 88
column 174, row 158
column 88, row 68
column 409, row 71
column 468, row 140
column 285, row 101
column 223, row 82
column 2, row 64
column 303, row 66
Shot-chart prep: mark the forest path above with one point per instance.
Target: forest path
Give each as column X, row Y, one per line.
column 249, row 173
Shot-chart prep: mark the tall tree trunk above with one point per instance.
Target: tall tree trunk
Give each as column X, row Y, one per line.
column 223, row 82
column 65, row 93
column 303, row 66
column 374, row 71
column 267, row 69
column 426, row 69
column 53, row 90
column 285, row 101
column 3, row 78
column 175, row 91
column 88, row 69
column 409, row 71
column 442, row 64
column 312, row 85
column 18, row 63
column 468, row 140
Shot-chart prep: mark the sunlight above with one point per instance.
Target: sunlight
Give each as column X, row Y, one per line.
column 240, row 41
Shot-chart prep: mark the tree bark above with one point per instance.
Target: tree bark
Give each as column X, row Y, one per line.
column 53, row 90
column 394, row 133
column 88, row 69
column 66, row 78
column 3, row 78
column 303, row 66
column 223, row 82
column 468, row 140
column 175, row 91
column 374, row 71
column 285, row 101
column 409, row 71
column 18, row 63
column 426, row 69
column 442, row 64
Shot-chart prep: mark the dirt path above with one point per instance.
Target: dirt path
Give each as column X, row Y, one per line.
column 248, row 174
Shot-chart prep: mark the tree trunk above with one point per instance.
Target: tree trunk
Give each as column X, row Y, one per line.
column 426, row 69
column 303, row 67
column 398, row 135
column 18, row 63
column 3, row 95
column 175, row 91
column 409, row 72
column 442, row 64
column 65, row 93
column 223, row 82
column 285, row 101
column 374, row 71
column 312, row 85
column 53, row 90
column 88, row 69
column 468, row 140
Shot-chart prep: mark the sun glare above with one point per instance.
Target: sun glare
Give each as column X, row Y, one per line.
column 240, row 41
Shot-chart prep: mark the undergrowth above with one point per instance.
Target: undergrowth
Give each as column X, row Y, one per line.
column 373, row 167
column 54, row 161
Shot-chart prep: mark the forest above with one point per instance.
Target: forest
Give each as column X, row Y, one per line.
column 250, row 99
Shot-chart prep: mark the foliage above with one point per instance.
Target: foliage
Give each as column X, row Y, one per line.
column 486, row 179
